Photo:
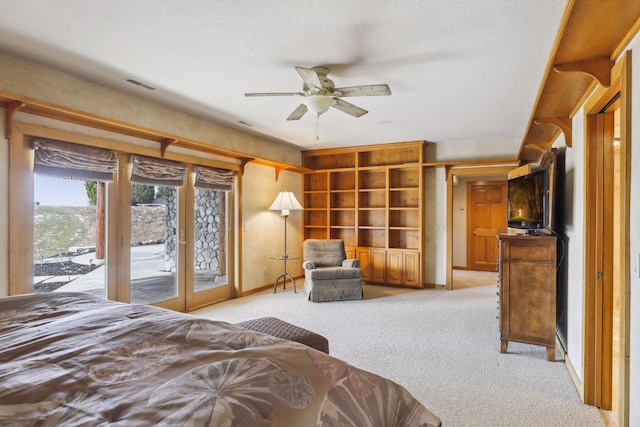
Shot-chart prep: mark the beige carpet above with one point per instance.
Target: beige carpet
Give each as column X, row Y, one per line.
column 443, row 346
column 469, row 278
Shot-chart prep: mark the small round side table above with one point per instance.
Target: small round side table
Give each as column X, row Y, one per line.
column 284, row 275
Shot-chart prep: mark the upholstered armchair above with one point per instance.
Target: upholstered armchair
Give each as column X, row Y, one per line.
column 328, row 274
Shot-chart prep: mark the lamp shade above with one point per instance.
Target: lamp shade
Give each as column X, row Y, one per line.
column 285, row 201
column 318, row 104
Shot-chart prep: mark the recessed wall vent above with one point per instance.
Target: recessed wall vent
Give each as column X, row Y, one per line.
column 137, row 83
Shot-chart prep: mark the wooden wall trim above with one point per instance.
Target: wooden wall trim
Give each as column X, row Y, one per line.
column 14, row 103
column 581, row 57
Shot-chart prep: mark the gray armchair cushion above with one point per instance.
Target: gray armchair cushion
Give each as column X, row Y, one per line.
column 334, row 273
column 324, row 252
column 351, row 263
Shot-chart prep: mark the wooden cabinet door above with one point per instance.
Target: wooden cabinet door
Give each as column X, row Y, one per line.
column 378, row 265
column 531, row 315
column 364, row 255
column 411, row 268
column 350, row 252
column 394, row 267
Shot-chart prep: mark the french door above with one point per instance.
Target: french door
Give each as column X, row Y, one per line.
column 184, row 265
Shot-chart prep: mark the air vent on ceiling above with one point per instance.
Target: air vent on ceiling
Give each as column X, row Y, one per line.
column 137, row 83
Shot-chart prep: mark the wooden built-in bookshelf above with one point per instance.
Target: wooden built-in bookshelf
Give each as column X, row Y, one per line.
column 370, row 197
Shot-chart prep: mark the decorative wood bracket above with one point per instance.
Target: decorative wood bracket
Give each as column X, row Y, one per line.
column 599, row 69
column 243, row 162
column 535, row 147
column 11, row 110
column 562, row 122
column 278, row 170
column 165, row 144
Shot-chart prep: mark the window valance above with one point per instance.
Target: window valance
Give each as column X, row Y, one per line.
column 218, row 179
column 68, row 160
column 153, row 171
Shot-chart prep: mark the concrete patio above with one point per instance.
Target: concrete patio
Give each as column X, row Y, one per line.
column 149, row 280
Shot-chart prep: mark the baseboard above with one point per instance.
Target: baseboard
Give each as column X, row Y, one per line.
column 608, row 418
column 572, row 372
column 270, row 286
column 434, row 286
column 256, row 290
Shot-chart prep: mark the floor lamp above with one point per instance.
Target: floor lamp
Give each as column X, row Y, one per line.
column 285, row 201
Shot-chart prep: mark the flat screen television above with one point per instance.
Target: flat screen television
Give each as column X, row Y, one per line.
column 528, row 197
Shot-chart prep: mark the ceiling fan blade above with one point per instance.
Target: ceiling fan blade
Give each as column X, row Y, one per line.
column 367, row 90
column 349, row 108
column 275, row 94
column 298, row 112
column 310, row 77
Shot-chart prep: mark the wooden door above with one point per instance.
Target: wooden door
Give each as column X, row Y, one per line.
column 607, row 245
column 599, row 259
column 486, row 214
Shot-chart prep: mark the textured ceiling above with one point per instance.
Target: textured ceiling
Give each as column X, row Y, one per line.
column 459, row 70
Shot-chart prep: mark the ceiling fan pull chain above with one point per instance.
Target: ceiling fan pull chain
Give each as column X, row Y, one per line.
column 317, row 130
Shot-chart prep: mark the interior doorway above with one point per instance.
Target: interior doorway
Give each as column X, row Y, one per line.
column 606, row 260
column 457, row 206
column 602, row 203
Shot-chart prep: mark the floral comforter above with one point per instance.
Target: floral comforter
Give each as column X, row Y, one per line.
column 75, row 359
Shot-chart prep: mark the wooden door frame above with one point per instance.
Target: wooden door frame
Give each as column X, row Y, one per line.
column 592, row 343
column 469, row 231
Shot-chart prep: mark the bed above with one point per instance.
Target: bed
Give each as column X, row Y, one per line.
column 75, row 359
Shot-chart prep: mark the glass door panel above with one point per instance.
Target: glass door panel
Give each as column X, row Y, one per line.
column 210, row 261
column 154, row 244
column 69, row 238
column 210, row 248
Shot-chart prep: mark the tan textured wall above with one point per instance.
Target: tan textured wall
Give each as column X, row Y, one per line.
column 263, row 230
column 434, row 227
column 35, row 81
column 485, row 149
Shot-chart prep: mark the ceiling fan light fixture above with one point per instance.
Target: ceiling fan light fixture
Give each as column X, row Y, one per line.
column 318, row 104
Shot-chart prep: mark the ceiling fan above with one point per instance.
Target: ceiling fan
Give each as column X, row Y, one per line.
column 319, row 93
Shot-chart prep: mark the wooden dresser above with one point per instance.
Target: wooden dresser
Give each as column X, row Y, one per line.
column 527, row 275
